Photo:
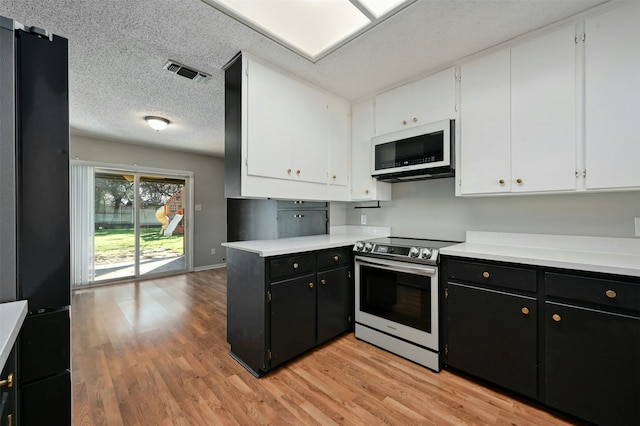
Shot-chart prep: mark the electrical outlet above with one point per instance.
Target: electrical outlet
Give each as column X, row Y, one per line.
column 637, row 219
column 213, row 251
column 363, row 219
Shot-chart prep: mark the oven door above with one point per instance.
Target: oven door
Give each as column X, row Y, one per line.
column 398, row 298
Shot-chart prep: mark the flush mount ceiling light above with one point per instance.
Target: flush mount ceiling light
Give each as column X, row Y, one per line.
column 310, row 28
column 157, row 123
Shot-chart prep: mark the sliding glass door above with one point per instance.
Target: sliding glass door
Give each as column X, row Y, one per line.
column 114, row 238
column 161, row 231
column 127, row 224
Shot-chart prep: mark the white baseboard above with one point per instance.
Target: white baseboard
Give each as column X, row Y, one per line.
column 207, row 267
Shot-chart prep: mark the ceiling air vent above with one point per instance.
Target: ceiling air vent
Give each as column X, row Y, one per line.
column 190, row 73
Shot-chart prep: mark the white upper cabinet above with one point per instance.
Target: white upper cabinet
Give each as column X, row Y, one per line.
column 485, row 125
column 518, row 118
column 284, row 138
column 287, row 127
column 363, row 186
column 612, row 80
column 339, row 141
column 425, row 101
column 543, row 113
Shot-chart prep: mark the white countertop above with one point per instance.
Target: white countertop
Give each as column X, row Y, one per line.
column 339, row 236
column 595, row 254
column 12, row 315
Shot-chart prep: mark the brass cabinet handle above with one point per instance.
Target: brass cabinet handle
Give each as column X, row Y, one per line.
column 415, row 119
column 288, row 171
column 323, row 282
column 404, row 122
column 8, row 382
column 297, row 172
column 556, row 317
column 366, row 191
column 525, row 310
column 311, row 285
column 485, row 274
column 610, row 294
column 295, row 265
column 501, row 181
column 519, row 180
column 336, row 258
column 334, row 176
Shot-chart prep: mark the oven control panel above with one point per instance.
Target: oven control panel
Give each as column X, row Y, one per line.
column 412, row 253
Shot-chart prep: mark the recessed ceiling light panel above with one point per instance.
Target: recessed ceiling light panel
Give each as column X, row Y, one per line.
column 311, row 28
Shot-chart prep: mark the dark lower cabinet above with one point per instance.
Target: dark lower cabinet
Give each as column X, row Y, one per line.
column 46, row 402
column 334, row 302
column 293, row 318
column 8, row 391
column 592, row 361
column 575, row 334
column 493, row 335
column 282, row 306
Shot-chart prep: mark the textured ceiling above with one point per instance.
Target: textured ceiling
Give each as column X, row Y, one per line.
column 117, row 49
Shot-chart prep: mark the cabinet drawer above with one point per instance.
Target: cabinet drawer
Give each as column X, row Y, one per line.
column 492, row 275
column 297, row 205
column 334, row 257
column 611, row 293
column 291, row 265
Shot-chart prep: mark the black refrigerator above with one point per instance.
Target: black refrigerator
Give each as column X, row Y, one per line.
column 34, row 215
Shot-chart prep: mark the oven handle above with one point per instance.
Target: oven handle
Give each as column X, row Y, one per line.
column 419, row 270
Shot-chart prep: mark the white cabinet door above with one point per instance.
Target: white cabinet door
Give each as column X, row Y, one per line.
column 543, row 113
column 311, row 124
column 434, row 98
column 339, row 146
column 363, row 186
column 485, row 131
column 392, row 110
column 269, row 105
column 287, row 127
column 612, row 61
column 422, row 102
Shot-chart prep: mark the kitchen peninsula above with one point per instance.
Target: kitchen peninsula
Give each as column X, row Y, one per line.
column 286, row 296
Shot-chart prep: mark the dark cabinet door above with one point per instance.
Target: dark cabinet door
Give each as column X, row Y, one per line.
column 45, row 342
column 293, row 317
column 592, row 364
column 46, row 402
column 43, row 177
column 334, row 303
column 492, row 335
column 8, row 401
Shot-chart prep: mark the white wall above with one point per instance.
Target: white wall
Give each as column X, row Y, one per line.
column 210, row 224
column 429, row 209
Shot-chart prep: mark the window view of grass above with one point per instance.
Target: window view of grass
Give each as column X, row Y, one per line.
column 118, row 245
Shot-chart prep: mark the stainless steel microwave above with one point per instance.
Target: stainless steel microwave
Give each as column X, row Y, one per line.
column 421, row 152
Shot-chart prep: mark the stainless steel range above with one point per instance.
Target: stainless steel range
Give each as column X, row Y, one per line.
column 397, row 296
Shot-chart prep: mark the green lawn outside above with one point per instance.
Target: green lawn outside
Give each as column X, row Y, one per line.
column 118, row 245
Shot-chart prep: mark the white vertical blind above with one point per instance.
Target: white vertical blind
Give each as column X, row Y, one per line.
column 82, row 224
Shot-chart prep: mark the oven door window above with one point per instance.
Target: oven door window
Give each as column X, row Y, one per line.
column 396, row 296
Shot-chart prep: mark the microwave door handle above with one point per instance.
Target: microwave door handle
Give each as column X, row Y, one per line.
column 419, row 270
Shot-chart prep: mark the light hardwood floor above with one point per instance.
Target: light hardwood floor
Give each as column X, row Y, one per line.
column 155, row 353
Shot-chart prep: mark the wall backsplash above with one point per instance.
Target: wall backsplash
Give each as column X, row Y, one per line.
column 429, row 209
